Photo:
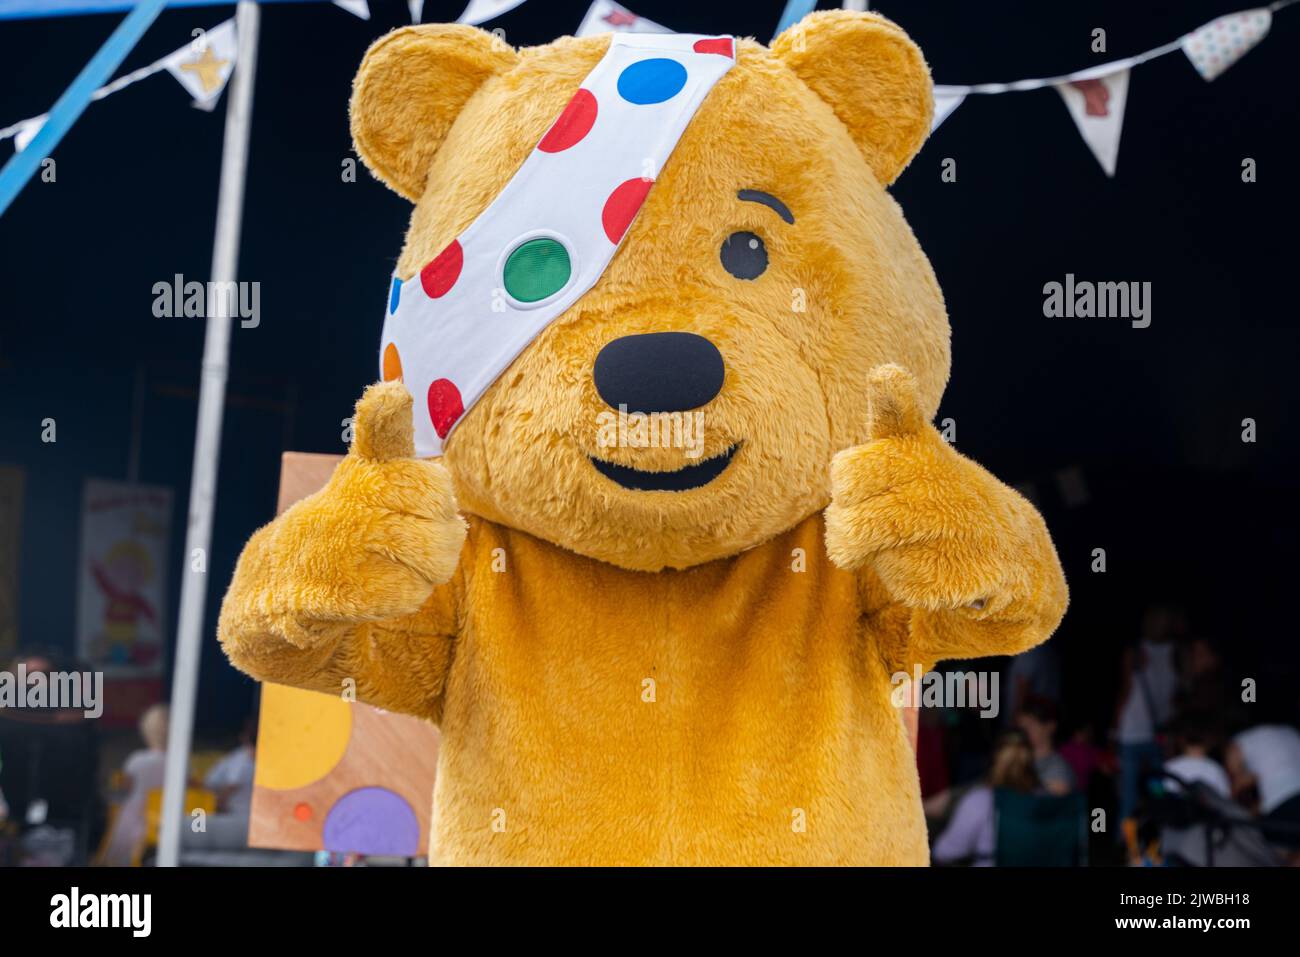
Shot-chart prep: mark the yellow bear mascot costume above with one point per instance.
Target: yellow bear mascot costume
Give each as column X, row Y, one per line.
column 647, row 653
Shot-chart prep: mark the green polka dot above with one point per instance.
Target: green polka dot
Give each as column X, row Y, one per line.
column 536, row 269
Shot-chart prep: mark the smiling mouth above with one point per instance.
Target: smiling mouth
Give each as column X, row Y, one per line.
column 678, row 480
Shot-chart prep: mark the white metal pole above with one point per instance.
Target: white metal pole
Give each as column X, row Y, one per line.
column 859, row 5
column 207, row 438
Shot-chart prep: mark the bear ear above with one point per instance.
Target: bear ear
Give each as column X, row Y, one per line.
column 872, row 75
column 410, row 88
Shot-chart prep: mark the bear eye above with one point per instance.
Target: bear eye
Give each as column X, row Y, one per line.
column 744, row 255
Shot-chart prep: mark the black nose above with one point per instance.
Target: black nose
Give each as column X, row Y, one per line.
column 659, row 372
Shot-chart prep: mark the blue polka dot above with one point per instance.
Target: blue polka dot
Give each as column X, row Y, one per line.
column 651, row 81
column 395, row 295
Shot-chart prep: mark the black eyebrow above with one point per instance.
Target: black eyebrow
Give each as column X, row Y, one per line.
column 768, row 200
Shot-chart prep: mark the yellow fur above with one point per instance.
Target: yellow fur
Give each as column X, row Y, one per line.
column 666, row 677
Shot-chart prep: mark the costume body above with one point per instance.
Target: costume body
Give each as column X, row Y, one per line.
column 734, row 713
column 652, row 654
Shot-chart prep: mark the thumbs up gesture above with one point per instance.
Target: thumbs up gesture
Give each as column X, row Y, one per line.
column 939, row 531
column 370, row 546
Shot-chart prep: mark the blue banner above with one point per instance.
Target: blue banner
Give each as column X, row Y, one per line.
column 65, row 111
column 26, row 9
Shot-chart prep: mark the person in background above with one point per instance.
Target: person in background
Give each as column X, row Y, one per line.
column 231, row 780
column 1084, row 756
column 931, row 751
column 4, row 807
column 1204, row 689
column 1265, row 760
column 1037, row 719
column 144, row 770
column 971, row 834
column 1210, row 829
column 51, row 762
column 1194, row 738
column 1035, row 673
column 1148, row 681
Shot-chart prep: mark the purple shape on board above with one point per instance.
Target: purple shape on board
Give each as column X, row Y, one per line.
column 372, row 821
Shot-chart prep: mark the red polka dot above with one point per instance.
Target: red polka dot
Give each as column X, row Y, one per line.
column 622, row 206
column 441, row 274
column 445, row 406
column 723, row 45
column 302, row 811
column 574, row 123
column 392, row 363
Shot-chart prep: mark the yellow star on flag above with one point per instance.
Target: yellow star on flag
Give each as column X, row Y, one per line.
column 208, row 68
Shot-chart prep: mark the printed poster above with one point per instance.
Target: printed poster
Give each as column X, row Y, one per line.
column 122, row 579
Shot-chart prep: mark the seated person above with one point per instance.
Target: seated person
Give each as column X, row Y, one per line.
column 1037, row 719
column 231, row 780
column 1194, row 737
column 971, row 834
column 1265, row 760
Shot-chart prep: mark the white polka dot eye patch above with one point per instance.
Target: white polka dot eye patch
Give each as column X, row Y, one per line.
column 548, row 236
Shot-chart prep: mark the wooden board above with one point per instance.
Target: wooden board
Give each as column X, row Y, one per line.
column 331, row 774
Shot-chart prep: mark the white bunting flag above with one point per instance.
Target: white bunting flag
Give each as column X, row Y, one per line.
column 605, row 16
column 480, row 11
column 1097, row 107
column 944, row 104
column 27, row 131
column 204, row 66
column 358, row 8
column 1222, row 42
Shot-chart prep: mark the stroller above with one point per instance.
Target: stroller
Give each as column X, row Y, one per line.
column 1199, row 828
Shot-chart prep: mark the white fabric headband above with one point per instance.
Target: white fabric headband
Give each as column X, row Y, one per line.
column 546, row 239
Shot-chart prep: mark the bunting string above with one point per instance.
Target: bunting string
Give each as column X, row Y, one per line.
column 1093, row 72
column 1095, row 97
column 202, row 67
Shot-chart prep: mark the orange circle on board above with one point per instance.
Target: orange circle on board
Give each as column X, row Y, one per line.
column 302, row 811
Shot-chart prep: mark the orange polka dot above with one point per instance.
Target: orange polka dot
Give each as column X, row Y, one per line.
column 392, row 363
column 302, row 811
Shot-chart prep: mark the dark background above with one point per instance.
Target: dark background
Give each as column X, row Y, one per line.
column 1152, row 417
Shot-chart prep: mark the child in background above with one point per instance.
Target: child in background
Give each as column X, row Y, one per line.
column 1194, row 738
column 144, row 769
